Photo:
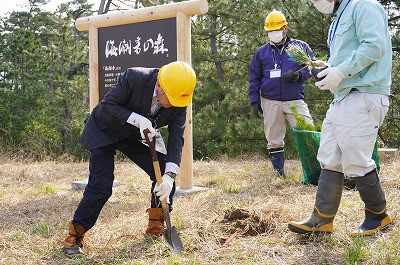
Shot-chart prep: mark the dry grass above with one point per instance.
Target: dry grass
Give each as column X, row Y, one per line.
column 36, row 201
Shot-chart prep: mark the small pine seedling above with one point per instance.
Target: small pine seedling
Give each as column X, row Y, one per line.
column 298, row 54
column 301, row 122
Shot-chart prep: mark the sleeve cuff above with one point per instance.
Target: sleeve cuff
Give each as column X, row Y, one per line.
column 344, row 73
column 171, row 167
column 134, row 119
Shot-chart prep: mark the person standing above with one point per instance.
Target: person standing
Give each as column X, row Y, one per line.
column 359, row 77
column 276, row 82
column 143, row 98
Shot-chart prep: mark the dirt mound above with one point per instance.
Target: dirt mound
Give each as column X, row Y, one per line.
column 250, row 223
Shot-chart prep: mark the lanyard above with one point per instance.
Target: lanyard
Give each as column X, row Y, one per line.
column 280, row 52
column 332, row 32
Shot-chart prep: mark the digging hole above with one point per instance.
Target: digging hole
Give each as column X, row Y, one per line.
column 249, row 223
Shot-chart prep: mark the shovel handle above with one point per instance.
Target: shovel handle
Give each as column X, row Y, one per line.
column 156, row 164
column 171, row 236
column 151, row 144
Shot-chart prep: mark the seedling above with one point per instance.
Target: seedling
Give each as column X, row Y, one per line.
column 298, row 54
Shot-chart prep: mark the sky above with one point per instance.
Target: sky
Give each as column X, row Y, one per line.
column 16, row 5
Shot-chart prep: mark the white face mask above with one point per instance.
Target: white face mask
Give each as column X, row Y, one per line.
column 324, row 6
column 275, row 36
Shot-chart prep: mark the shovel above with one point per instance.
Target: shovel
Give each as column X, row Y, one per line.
column 171, row 236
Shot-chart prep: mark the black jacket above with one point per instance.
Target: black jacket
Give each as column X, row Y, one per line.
column 133, row 92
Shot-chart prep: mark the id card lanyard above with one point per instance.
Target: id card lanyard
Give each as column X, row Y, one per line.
column 276, row 72
column 333, row 28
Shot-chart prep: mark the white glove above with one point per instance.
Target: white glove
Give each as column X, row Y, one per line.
column 144, row 124
column 165, row 187
column 332, row 78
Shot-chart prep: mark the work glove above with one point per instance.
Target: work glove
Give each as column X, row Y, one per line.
column 331, row 78
column 291, row 76
column 164, row 189
column 144, row 124
column 257, row 109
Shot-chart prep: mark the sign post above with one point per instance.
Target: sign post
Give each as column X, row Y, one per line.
column 148, row 37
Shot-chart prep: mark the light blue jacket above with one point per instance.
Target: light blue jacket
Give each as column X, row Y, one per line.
column 361, row 48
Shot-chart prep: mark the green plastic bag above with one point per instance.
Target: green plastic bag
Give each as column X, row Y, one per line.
column 307, row 145
column 376, row 157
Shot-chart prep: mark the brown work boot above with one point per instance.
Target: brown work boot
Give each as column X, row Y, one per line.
column 156, row 221
column 73, row 243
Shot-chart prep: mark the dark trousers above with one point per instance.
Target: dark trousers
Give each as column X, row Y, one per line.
column 101, row 178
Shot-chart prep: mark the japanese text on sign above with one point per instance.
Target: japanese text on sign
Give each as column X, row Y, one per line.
column 125, row 46
column 110, row 76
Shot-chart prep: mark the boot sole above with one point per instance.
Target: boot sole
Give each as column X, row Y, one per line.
column 73, row 253
column 153, row 236
column 304, row 230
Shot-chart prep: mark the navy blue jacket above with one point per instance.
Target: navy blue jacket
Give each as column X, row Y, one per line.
column 264, row 61
column 107, row 124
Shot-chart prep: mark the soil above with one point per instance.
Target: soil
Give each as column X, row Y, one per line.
column 249, row 223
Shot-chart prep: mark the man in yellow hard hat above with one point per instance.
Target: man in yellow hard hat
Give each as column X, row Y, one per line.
column 143, row 98
column 276, row 82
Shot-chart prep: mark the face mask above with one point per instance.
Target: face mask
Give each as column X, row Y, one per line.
column 324, row 6
column 275, row 36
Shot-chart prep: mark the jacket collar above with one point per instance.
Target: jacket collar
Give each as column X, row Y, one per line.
column 148, row 92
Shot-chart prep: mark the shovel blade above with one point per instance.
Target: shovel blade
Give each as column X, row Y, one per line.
column 173, row 241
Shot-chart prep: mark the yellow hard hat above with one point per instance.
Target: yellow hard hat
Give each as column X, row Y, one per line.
column 178, row 80
column 274, row 21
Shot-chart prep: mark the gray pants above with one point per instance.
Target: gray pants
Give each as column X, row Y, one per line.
column 349, row 132
column 275, row 113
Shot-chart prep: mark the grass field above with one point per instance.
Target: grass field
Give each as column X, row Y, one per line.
column 242, row 195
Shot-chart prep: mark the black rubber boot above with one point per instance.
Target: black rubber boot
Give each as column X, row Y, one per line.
column 277, row 157
column 316, row 224
column 372, row 194
column 329, row 193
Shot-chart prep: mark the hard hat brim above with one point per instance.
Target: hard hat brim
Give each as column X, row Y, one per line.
column 180, row 102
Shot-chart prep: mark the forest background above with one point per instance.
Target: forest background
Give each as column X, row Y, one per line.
column 44, row 83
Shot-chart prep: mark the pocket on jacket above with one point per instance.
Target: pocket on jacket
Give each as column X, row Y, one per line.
column 344, row 26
